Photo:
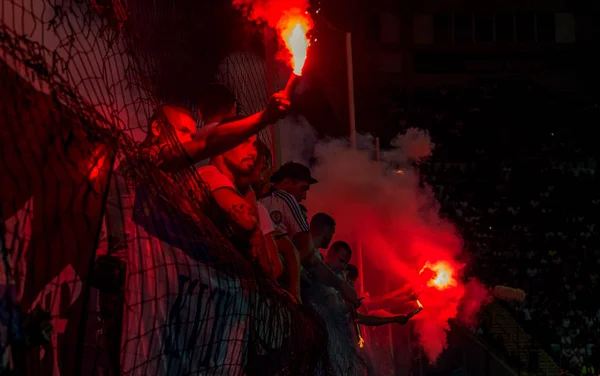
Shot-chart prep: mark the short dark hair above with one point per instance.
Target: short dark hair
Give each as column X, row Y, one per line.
column 336, row 246
column 321, row 220
column 160, row 115
column 215, row 99
column 351, row 271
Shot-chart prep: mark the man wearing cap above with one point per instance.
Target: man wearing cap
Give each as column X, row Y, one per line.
column 293, row 178
column 290, row 185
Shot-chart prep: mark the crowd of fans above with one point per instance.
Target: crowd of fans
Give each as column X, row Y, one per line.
column 202, row 267
column 510, row 167
column 514, row 170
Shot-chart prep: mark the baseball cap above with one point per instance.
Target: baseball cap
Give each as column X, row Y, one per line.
column 293, row 170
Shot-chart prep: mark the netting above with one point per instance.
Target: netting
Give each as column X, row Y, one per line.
column 136, row 278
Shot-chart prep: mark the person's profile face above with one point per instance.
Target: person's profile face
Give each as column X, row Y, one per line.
column 339, row 260
column 299, row 189
column 242, row 158
column 183, row 125
column 185, row 131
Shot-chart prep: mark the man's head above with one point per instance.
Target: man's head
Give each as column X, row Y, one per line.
column 338, row 256
column 351, row 274
column 171, row 122
column 241, row 160
column 322, row 228
column 294, row 178
column 216, row 103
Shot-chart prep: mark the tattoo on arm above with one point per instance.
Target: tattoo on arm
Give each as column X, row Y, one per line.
column 244, row 214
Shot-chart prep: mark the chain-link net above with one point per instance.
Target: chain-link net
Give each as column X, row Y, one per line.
column 136, row 278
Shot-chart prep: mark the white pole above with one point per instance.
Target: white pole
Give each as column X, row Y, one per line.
column 352, row 122
column 271, row 89
column 351, row 108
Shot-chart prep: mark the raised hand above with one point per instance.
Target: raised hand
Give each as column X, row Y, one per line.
column 277, row 108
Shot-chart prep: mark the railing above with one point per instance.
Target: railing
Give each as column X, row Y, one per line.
column 517, row 341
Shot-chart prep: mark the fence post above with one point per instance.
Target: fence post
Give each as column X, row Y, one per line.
column 271, row 66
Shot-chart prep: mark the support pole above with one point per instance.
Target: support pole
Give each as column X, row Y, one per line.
column 272, row 89
column 352, row 123
column 387, row 281
column 350, row 73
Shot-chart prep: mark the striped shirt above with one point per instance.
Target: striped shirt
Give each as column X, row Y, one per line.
column 285, row 212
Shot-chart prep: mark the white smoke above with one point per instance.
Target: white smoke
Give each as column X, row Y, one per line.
column 297, row 140
column 382, row 208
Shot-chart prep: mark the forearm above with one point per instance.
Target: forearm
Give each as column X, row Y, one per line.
column 228, row 135
column 259, row 253
column 220, row 139
column 375, row 321
column 291, row 257
column 273, row 255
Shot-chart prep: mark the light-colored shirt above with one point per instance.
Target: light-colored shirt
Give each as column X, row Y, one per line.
column 266, row 224
column 215, row 178
column 285, row 212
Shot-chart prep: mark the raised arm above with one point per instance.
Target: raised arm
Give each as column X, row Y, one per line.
column 291, row 259
column 378, row 321
column 217, row 140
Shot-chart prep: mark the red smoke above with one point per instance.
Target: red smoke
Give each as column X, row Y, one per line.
column 402, row 235
column 281, row 15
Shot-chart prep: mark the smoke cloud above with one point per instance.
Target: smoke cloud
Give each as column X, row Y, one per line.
column 383, row 207
column 293, row 129
column 280, row 15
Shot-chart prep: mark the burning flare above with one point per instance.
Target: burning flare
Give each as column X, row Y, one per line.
column 296, row 42
column 291, row 20
column 361, row 341
column 443, row 278
column 293, row 31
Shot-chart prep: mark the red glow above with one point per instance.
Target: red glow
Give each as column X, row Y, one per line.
column 403, row 239
column 291, row 20
column 97, row 162
column 444, row 275
column 296, row 41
